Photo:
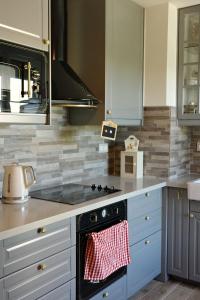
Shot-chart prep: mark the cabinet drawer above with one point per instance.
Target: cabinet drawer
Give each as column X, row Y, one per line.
column 144, row 203
column 27, row 248
column 146, row 263
column 144, row 225
column 117, row 290
column 195, row 206
column 41, row 278
column 65, row 292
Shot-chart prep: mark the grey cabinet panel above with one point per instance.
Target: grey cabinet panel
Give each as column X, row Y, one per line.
column 178, row 232
column 143, row 204
column 194, row 248
column 146, row 263
column 1, row 259
column 32, row 246
column 124, row 62
column 117, row 290
column 24, row 22
column 65, row 292
column 144, row 225
column 2, row 296
column 41, row 278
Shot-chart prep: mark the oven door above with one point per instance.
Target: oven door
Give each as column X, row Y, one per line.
column 85, row 289
column 23, row 80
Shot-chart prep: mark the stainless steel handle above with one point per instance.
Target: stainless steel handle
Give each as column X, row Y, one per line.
column 147, row 242
column 147, row 218
column 29, row 78
column 146, row 194
column 105, row 295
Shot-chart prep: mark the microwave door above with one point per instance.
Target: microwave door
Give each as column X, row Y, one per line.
column 8, row 72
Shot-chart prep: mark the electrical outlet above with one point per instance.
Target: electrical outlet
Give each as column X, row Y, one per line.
column 198, row 146
column 103, row 148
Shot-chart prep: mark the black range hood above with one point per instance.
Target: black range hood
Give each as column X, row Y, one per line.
column 68, row 90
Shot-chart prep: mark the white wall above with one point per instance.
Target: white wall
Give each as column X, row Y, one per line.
column 160, row 55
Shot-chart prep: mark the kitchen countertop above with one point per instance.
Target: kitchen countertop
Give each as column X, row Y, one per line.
column 19, row 218
column 181, row 182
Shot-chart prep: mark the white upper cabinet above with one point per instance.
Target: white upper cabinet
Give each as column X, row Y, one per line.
column 25, row 22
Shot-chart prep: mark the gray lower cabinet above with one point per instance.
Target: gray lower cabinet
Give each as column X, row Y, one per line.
column 146, row 263
column 144, row 218
column 40, row 263
column 178, row 232
column 115, row 291
column 66, row 291
column 194, row 242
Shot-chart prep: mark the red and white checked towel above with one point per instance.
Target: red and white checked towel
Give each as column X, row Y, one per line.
column 106, row 252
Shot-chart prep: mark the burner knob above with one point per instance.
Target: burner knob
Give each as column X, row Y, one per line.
column 106, row 188
column 93, row 217
column 93, row 187
column 99, row 188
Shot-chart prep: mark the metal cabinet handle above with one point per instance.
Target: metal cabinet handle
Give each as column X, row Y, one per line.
column 147, row 242
column 109, row 112
column 42, row 230
column 147, row 218
column 46, row 41
column 191, row 216
column 29, row 78
column 105, row 295
column 41, row 267
column 146, row 194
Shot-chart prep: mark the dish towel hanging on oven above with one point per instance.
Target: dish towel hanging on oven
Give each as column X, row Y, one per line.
column 106, row 252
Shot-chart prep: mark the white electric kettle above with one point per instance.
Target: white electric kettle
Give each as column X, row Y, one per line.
column 17, row 179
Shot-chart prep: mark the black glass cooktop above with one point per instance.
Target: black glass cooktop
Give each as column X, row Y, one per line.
column 73, row 193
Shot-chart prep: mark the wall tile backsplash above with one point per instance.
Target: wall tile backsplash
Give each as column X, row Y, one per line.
column 59, row 153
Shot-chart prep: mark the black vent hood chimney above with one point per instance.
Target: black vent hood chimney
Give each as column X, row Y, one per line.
column 68, row 90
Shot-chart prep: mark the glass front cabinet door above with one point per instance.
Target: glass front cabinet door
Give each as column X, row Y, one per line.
column 188, row 66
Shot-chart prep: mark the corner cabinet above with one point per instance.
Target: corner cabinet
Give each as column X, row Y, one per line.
column 189, row 66
column 25, row 22
column 124, row 62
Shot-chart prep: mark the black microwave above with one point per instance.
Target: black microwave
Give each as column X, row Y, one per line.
column 24, row 86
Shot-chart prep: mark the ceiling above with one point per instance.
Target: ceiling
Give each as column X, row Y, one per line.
column 178, row 3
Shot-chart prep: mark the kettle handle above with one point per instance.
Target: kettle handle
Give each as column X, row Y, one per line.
column 26, row 170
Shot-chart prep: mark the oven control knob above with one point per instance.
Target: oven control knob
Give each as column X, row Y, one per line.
column 93, row 187
column 99, row 188
column 116, row 210
column 103, row 213
column 93, row 217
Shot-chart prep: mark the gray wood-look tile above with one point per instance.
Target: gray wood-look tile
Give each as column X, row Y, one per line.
column 171, row 290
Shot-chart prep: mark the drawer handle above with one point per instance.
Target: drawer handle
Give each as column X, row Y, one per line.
column 105, row 295
column 191, row 216
column 147, row 218
column 41, row 267
column 147, row 242
column 146, row 194
column 42, row 230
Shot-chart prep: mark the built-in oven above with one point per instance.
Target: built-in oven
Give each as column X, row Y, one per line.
column 23, row 80
column 95, row 221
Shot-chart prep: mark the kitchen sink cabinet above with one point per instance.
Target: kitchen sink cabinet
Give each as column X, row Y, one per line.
column 144, row 218
column 178, row 232
column 25, row 22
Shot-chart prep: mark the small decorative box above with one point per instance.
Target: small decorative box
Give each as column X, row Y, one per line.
column 131, row 164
